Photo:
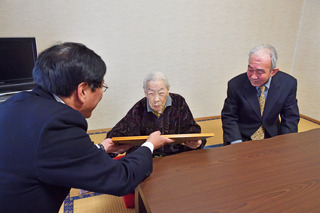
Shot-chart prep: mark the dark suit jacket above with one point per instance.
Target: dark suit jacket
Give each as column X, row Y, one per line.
column 45, row 151
column 241, row 112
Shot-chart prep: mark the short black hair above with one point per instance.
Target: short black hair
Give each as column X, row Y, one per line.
column 62, row 67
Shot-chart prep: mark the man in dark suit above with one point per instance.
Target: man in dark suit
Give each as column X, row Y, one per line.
column 44, row 147
column 242, row 116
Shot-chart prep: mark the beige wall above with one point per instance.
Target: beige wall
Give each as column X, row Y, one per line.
column 306, row 62
column 199, row 44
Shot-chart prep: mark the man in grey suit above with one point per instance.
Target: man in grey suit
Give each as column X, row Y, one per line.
column 243, row 118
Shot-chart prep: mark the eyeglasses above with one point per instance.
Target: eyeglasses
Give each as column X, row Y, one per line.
column 104, row 87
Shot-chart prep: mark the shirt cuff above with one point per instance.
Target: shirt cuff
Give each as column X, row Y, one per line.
column 149, row 145
column 236, row 141
column 100, row 147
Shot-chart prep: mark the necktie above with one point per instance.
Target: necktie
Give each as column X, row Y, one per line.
column 259, row 134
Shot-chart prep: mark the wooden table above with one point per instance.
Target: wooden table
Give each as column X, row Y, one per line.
column 280, row 174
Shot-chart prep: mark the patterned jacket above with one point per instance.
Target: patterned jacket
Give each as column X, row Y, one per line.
column 176, row 119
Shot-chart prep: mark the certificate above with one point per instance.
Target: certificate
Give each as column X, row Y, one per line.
column 178, row 138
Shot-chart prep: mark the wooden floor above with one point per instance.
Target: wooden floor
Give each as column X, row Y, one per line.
column 98, row 203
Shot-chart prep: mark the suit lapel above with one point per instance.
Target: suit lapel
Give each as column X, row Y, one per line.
column 273, row 95
column 251, row 97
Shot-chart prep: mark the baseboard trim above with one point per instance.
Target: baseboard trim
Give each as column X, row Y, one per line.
column 310, row 119
column 208, row 118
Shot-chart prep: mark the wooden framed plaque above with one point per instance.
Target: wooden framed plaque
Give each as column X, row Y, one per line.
column 178, row 138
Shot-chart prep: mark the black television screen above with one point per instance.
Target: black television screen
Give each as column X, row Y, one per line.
column 17, row 59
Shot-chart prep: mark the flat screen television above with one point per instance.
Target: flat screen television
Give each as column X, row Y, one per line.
column 17, row 59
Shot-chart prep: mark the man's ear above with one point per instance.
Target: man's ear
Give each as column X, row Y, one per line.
column 274, row 71
column 82, row 91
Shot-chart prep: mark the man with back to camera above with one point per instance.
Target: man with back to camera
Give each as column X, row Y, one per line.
column 44, row 147
column 263, row 85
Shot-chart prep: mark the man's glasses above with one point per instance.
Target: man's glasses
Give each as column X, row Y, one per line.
column 104, row 87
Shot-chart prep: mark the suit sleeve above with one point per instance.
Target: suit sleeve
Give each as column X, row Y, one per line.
column 290, row 112
column 229, row 117
column 67, row 158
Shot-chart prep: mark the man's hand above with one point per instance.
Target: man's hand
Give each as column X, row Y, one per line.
column 110, row 147
column 157, row 140
column 193, row 144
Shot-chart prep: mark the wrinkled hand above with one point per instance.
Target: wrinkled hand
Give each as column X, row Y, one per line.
column 193, row 144
column 110, row 147
column 157, row 140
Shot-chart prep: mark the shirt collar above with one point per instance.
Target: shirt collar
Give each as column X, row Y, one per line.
column 267, row 84
column 58, row 99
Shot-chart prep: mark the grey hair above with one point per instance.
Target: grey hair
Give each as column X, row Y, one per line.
column 273, row 53
column 155, row 76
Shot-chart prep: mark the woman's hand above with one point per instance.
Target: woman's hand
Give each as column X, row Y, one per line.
column 193, row 144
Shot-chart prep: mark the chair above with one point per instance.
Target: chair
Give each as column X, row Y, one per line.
column 129, row 198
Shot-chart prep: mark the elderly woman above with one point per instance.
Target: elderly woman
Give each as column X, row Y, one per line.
column 159, row 110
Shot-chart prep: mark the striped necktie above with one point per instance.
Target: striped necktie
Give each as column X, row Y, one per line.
column 259, row 134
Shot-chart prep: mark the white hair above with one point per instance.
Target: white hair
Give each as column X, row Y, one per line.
column 155, row 76
column 273, row 53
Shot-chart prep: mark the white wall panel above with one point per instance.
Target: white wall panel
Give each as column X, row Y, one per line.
column 199, row 44
column 306, row 63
